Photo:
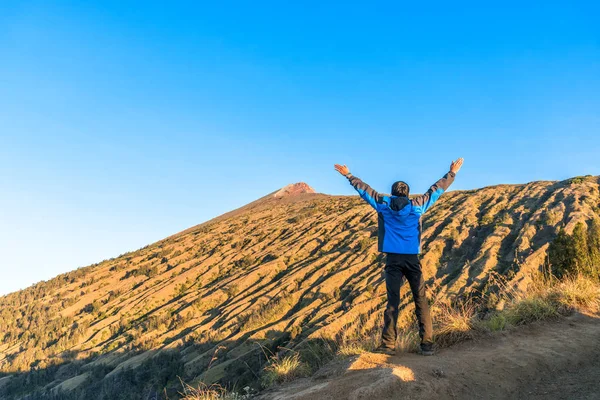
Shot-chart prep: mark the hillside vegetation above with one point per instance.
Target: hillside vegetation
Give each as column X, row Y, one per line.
column 291, row 271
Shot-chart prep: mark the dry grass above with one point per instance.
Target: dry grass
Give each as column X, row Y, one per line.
column 579, row 293
column 454, row 324
column 545, row 298
column 354, row 348
column 548, row 297
column 359, row 337
column 531, row 310
column 408, row 339
column 284, row 369
column 209, row 392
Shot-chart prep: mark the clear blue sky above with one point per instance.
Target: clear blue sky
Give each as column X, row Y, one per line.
column 122, row 123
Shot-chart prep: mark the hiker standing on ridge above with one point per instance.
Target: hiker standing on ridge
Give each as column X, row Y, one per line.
column 399, row 237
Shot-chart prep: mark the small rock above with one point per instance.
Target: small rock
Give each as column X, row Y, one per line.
column 438, row 373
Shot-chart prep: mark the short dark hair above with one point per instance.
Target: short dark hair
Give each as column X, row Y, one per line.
column 400, row 189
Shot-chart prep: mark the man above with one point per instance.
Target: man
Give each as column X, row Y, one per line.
column 399, row 238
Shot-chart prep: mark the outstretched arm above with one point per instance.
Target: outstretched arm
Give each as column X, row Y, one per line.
column 365, row 191
column 425, row 201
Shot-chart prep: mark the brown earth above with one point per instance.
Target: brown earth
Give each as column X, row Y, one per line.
column 556, row 360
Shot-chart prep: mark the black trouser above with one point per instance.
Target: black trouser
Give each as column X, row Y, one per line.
column 397, row 267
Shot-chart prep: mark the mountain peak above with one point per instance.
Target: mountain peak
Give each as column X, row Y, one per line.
column 294, row 189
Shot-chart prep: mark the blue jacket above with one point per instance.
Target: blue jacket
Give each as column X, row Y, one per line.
column 400, row 217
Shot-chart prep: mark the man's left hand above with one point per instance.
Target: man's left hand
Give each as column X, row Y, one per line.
column 342, row 169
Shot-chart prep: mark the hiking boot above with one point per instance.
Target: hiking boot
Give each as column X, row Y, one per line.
column 390, row 351
column 426, row 349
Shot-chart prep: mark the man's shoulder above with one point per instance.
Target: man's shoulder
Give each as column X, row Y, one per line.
column 417, row 205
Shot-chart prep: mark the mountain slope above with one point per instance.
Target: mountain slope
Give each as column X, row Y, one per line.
column 280, row 271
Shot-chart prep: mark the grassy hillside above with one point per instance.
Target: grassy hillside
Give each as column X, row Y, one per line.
column 211, row 302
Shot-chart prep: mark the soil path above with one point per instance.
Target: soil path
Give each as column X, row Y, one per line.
column 554, row 360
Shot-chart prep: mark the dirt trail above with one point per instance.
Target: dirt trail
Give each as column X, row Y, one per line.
column 555, row 360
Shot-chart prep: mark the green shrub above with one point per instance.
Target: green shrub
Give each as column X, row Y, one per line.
column 578, row 180
column 530, row 310
column 180, row 290
column 232, row 290
column 496, row 323
column 296, row 219
column 578, row 253
column 92, row 307
column 364, row 244
column 244, row 262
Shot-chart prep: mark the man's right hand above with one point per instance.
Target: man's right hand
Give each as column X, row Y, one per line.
column 342, row 169
column 455, row 166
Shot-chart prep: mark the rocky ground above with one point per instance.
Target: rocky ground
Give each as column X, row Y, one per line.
column 553, row 360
